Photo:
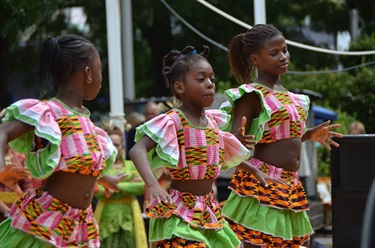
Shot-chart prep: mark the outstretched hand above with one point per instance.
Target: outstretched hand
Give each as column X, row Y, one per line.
column 322, row 133
column 247, row 140
column 10, row 174
column 109, row 182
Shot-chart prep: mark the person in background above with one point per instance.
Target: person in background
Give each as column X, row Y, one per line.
column 134, row 119
column 273, row 216
column 151, row 110
column 357, row 127
column 120, row 216
column 189, row 143
column 63, row 146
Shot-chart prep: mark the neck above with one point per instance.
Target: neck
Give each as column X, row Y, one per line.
column 269, row 80
column 195, row 116
column 70, row 100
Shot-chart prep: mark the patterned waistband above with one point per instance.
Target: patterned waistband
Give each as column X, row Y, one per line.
column 274, row 171
column 291, row 196
column 201, row 211
column 46, row 217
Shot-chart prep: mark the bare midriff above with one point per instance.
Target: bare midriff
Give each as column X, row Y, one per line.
column 282, row 154
column 72, row 188
column 196, row 187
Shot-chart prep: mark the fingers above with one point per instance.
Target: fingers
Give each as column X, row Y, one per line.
column 160, row 195
column 107, row 192
column 263, row 182
column 249, row 142
column 334, row 126
column 326, row 145
column 334, row 134
column 16, row 188
column 121, row 176
column 243, row 125
column 333, row 142
column 20, row 172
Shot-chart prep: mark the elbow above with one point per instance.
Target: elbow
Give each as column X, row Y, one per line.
column 132, row 153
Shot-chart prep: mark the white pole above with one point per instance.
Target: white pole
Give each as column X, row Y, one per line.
column 114, row 60
column 127, row 52
column 259, row 11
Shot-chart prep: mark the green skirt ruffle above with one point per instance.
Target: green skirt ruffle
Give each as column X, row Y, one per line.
column 11, row 237
column 169, row 228
column 281, row 223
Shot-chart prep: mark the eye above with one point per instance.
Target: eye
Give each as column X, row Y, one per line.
column 201, row 79
column 212, row 80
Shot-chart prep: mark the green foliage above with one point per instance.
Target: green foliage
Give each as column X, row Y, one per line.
column 19, row 15
column 343, row 92
column 365, row 42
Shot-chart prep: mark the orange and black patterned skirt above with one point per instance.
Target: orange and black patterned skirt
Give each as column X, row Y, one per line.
column 269, row 217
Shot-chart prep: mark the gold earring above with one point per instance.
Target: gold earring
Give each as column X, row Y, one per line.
column 89, row 80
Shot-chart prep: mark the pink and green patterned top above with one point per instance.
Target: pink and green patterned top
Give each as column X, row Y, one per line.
column 283, row 113
column 62, row 140
column 190, row 152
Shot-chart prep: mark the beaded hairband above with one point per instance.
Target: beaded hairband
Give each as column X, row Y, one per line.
column 191, row 53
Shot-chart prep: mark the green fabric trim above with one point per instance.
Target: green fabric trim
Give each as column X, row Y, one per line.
column 108, row 162
column 41, row 163
column 11, row 237
column 156, row 155
column 281, row 223
column 257, row 126
column 168, row 228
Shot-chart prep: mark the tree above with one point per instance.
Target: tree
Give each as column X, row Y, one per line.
column 156, row 31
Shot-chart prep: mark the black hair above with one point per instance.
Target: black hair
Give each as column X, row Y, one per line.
column 177, row 63
column 58, row 59
column 245, row 44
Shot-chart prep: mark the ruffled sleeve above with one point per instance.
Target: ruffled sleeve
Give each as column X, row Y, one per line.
column 221, row 118
column 109, row 149
column 235, row 152
column 42, row 144
column 162, row 131
column 257, row 126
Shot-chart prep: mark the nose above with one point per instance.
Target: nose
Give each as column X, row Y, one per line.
column 284, row 56
column 210, row 83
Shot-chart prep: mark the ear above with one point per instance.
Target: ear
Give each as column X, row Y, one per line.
column 254, row 59
column 87, row 71
column 179, row 87
column 88, row 74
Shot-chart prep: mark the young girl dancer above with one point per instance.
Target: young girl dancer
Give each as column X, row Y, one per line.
column 189, row 143
column 273, row 216
column 63, row 146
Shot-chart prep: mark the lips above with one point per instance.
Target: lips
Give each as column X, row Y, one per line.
column 210, row 95
column 284, row 66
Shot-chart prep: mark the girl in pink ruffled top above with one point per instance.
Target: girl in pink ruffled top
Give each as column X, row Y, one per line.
column 273, row 216
column 62, row 146
column 189, row 143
